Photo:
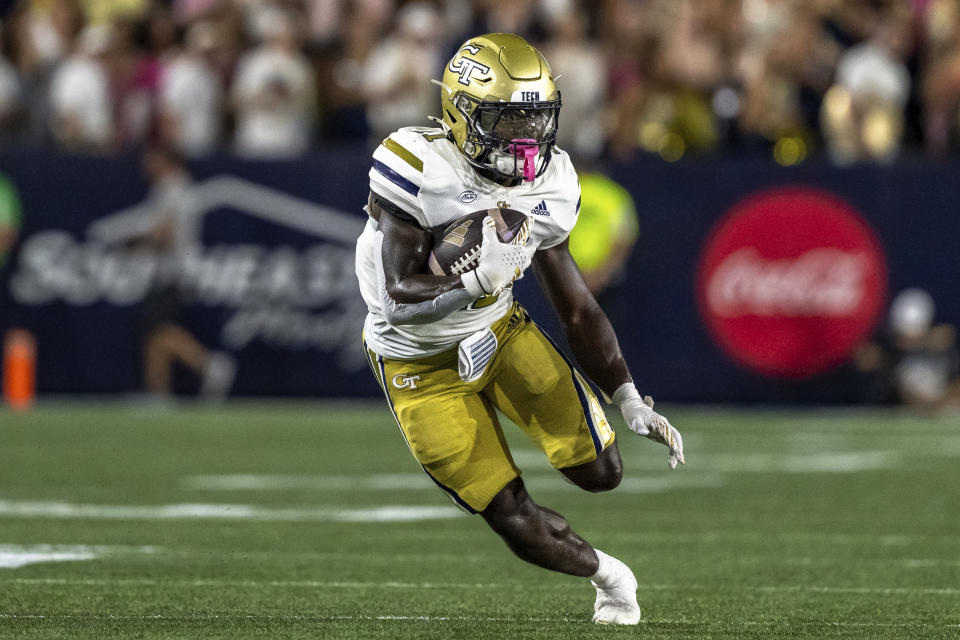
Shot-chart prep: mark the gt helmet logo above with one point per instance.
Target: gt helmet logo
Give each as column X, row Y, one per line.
column 466, row 66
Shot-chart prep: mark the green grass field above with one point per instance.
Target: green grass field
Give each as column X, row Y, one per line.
column 312, row 520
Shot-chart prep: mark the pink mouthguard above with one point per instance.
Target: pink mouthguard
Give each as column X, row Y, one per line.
column 527, row 149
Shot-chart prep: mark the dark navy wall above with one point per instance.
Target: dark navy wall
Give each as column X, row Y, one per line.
column 913, row 206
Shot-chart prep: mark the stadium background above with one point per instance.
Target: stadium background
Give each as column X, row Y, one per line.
column 692, row 106
column 294, row 509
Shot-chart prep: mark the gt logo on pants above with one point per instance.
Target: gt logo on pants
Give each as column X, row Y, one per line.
column 402, row 381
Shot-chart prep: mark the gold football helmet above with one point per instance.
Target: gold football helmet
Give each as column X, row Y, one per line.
column 501, row 104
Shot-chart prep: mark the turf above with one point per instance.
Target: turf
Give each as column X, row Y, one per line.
column 808, row 524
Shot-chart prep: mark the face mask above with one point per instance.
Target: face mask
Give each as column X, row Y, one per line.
column 520, row 153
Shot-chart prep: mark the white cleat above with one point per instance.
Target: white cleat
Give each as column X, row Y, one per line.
column 616, row 593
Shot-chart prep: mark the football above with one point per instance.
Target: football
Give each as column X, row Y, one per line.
column 456, row 246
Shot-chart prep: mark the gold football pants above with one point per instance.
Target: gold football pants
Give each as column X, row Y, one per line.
column 451, row 426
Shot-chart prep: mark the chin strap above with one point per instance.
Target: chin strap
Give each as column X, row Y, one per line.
column 527, row 149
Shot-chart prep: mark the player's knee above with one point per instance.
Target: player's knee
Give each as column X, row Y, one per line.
column 607, row 479
column 509, row 513
column 610, row 471
column 599, row 480
column 530, row 528
column 603, row 474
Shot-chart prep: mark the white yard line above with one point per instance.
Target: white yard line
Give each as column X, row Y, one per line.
column 429, row 618
column 746, row 559
column 17, row 559
column 312, row 584
column 723, row 537
column 325, row 584
column 823, row 462
column 549, row 481
column 68, row 510
column 275, row 482
column 14, row 556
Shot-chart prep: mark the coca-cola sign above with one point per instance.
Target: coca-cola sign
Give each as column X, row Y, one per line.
column 790, row 281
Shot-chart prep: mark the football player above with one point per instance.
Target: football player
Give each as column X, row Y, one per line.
column 450, row 351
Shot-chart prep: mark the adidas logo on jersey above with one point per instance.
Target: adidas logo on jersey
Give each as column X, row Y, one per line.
column 541, row 209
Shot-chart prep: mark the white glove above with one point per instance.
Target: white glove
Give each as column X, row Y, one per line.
column 644, row 421
column 499, row 263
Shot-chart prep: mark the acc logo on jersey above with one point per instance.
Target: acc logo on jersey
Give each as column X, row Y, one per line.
column 466, row 66
column 467, row 196
column 403, row 381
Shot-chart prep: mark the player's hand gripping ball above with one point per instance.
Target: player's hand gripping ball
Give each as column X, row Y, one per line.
column 456, row 246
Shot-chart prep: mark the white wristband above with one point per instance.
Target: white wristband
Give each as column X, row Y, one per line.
column 471, row 282
column 626, row 391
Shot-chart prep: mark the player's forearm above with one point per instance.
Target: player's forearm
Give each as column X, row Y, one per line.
column 421, row 287
column 595, row 346
column 424, row 312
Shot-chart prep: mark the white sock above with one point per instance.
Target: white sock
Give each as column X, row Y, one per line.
column 606, row 569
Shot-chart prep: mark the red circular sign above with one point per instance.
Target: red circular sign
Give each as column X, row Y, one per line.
column 790, row 281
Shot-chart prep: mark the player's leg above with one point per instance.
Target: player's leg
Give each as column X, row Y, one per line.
column 451, row 430
column 543, row 537
column 177, row 344
column 534, row 385
column 537, row 534
column 539, row 390
column 457, row 439
column 157, row 364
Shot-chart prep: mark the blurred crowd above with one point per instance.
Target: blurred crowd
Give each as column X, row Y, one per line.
column 855, row 80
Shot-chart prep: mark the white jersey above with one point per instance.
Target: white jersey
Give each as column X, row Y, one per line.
column 423, row 173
